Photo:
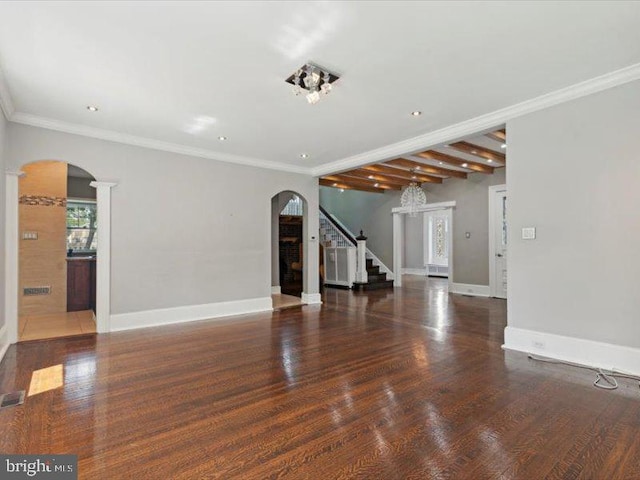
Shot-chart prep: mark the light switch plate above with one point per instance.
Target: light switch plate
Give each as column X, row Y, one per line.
column 29, row 235
column 529, row 233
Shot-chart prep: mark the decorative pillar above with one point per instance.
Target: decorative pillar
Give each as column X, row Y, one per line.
column 103, row 262
column 361, row 264
column 11, row 255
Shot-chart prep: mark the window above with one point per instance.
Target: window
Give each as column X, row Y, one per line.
column 82, row 223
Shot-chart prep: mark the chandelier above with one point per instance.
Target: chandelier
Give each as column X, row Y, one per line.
column 314, row 79
column 412, row 198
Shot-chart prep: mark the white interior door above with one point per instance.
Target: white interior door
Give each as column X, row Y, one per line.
column 498, row 247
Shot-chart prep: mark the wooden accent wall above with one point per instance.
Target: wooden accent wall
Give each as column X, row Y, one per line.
column 42, row 262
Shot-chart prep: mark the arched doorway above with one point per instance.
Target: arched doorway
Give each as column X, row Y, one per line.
column 288, row 248
column 57, row 224
column 93, row 242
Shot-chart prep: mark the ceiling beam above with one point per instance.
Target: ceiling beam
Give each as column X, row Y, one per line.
column 362, row 174
column 361, row 181
column 330, row 183
column 423, row 167
column 458, row 162
column 479, row 151
column 497, row 136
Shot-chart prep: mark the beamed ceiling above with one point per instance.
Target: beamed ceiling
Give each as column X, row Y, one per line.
column 480, row 154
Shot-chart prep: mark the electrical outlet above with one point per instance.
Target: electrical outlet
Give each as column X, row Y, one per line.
column 538, row 344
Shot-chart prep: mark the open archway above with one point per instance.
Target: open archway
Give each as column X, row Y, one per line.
column 40, row 242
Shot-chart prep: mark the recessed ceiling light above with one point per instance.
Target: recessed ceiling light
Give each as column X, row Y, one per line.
column 370, row 177
column 446, row 145
column 416, row 113
column 418, row 167
column 304, row 155
column 504, row 145
column 335, row 184
column 92, row 108
column 474, row 152
column 376, row 184
column 413, row 177
column 489, row 160
column 222, row 138
column 441, row 163
column 341, row 190
column 465, row 165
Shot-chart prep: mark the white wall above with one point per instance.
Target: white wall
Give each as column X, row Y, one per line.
column 3, row 166
column 185, row 230
column 574, row 174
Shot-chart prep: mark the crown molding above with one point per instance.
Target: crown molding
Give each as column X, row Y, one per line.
column 403, row 148
column 113, row 136
column 6, row 103
column 483, row 122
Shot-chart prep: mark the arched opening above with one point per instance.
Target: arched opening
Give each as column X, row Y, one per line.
column 288, row 265
column 57, row 251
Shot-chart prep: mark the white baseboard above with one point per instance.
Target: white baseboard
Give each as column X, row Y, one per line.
column 576, row 350
column 469, row 289
column 311, row 298
column 276, row 290
column 4, row 341
column 414, row 271
column 189, row 313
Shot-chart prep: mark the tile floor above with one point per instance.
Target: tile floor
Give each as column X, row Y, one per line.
column 36, row 327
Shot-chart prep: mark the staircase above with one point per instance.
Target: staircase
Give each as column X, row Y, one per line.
column 334, row 234
column 376, row 280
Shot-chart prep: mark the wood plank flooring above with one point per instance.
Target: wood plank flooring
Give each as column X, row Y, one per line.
column 403, row 384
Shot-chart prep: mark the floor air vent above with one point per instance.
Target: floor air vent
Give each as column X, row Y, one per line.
column 36, row 291
column 11, row 399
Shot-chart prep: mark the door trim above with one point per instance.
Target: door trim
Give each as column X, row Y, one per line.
column 493, row 190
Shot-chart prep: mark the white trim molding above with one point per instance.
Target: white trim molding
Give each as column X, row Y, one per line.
column 4, row 341
column 469, row 289
column 483, row 122
column 118, row 137
column 103, row 260
column 571, row 349
column 311, row 298
column 276, row 290
column 6, row 102
column 427, row 207
column 11, row 248
column 188, row 313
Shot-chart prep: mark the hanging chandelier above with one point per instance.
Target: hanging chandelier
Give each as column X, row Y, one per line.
column 314, row 79
column 412, row 198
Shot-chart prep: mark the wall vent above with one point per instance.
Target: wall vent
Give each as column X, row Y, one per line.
column 26, row 291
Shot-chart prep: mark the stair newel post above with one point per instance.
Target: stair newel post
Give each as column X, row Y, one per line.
column 361, row 264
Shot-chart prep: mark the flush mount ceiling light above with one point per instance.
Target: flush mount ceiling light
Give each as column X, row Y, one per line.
column 314, row 79
column 92, row 108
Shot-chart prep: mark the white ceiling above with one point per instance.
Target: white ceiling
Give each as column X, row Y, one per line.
column 185, row 73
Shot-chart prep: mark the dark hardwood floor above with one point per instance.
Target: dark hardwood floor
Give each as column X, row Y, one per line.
column 404, row 384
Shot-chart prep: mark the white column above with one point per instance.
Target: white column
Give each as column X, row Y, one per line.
column 11, row 255
column 103, row 262
column 398, row 241
column 361, row 264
